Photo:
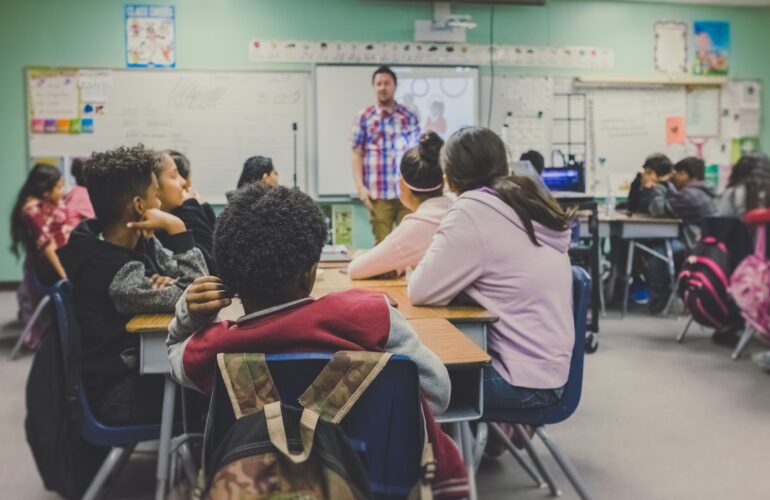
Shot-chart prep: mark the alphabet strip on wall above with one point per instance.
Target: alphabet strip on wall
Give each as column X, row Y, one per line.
column 425, row 53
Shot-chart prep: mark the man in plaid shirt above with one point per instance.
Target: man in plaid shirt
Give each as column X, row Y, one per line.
column 381, row 135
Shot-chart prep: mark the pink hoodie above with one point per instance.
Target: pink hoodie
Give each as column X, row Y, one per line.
column 406, row 245
column 481, row 248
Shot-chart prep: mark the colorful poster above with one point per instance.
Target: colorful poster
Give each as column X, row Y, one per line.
column 712, row 45
column 150, row 36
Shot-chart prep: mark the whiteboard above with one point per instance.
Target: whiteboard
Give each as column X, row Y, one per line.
column 217, row 119
column 625, row 127
column 342, row 91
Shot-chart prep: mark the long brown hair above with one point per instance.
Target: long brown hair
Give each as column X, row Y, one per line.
column 475, row 157
column 40, row 180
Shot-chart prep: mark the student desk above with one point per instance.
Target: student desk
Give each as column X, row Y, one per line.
column 634, row 227
column 462, row 357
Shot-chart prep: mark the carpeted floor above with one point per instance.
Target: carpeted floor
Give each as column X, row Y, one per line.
column 658, row 421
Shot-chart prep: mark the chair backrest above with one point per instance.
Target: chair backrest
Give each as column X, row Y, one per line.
column 92, row 430
column 581, row 293
column 384, row 425
column 34, row 282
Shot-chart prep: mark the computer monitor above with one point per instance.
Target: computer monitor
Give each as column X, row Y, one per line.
column 569, row 178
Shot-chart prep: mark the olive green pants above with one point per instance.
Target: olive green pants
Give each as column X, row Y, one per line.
column 384, row 215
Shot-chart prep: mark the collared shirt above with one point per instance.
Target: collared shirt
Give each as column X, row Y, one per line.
column 384, row 135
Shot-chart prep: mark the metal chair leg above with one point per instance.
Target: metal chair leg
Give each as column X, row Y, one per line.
column 480, row 443
column 539, row 465
column 672, row 275
column 628, row 279
column 565, row 464
column 116, row 457
column 680, row 337
column 498, row 432
column 28, row 327
column 748, row 332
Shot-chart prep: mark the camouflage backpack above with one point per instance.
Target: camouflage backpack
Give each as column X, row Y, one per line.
column 277, row 451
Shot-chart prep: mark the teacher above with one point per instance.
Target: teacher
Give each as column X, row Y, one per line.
column 381, row 135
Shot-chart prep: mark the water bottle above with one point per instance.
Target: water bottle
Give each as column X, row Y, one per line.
column 610, row 202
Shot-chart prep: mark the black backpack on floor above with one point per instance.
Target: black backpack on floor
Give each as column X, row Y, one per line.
column 65, row 461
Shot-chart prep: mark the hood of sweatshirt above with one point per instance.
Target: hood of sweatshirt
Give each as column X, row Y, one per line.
column 702, row 186
column 558, row 240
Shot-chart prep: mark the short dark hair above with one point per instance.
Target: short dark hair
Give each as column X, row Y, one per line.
column 658, row 163
column 692, row 166
column 78, row 171
column 254, row 169
column 535, row 158
column 115, row 177
column 181, row 161
column 265, row 238
column 387, row 71
column 420, row 167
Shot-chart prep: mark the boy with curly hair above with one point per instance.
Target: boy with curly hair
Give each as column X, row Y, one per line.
column 118, row 269
column 267, row 246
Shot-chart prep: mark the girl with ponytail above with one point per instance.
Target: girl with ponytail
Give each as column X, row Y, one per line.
column 504, row 244
column 422, row 188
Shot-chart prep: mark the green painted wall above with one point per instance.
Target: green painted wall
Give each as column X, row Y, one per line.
column 214, row 35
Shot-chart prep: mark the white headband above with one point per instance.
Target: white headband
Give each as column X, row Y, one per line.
column 422, row 190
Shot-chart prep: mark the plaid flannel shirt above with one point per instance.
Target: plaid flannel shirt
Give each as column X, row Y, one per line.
column 384, row 136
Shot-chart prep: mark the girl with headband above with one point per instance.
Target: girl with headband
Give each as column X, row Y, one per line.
column 422, row 192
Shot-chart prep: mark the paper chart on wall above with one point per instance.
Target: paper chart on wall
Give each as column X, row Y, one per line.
column 94, row 85
column 703, row 112
column 54, row 95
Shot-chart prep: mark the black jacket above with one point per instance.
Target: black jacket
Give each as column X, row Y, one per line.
column 200, row 220
column 111, row 285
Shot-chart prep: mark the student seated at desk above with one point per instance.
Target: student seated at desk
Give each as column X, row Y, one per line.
column 422, row 192
column 685, row 197
column 268, row 244
column 656, row 169
column 504, row 244
column 748, row 179
column 40, row 224
column 256, row 169
column 175, row 198
column 118, row 270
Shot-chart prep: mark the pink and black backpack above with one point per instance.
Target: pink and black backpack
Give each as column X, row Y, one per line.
column 703, row 284
column 750, row 286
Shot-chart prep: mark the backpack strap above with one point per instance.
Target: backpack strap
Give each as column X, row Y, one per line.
column 248, row 382
column 277, row 431
column 341, row 383
column 423, row 490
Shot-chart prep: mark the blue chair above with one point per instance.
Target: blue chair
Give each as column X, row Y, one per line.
column 39, row 290
column 538, row 418
column 122, row 439
column 384, row 426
